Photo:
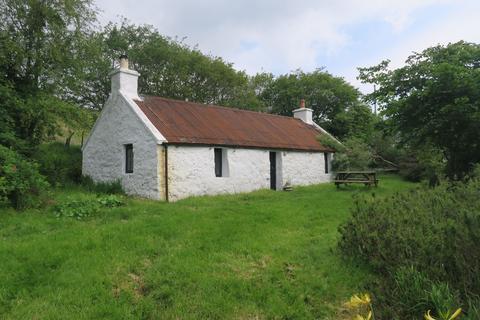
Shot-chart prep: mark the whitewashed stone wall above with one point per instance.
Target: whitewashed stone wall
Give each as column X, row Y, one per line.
column 192, row 170
column 304, row 168
column 104, row 152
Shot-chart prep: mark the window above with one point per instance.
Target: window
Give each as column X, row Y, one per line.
column 222, row 169
column 325, row 157
column 129, row 158
column 218, row 162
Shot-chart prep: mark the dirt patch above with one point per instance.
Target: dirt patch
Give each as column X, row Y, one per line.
column 249, row 269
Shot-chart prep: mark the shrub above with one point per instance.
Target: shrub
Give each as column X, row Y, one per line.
column 414, row 293
column 21, row 185
column 113, row 187
column 426, row 163
column 59, row 163
column 435, row 231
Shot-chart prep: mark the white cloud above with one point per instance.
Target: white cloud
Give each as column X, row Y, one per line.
column 462, row 23
column 280, row 36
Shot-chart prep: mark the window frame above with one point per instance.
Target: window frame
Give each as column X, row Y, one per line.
column 218, row 160
column 129, row 158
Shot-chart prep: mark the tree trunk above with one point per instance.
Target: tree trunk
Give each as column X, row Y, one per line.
column 69, row 139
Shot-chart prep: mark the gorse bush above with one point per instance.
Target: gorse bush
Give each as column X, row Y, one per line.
column 414, row 293
column 432, row 231
column 59, row 163
column 21, row 185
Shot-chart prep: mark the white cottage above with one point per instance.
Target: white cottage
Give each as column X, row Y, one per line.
column 169, row 149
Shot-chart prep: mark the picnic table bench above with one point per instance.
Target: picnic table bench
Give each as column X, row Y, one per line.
column 368, row 178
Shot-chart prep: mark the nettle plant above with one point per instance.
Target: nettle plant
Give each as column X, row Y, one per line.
column 80, row 209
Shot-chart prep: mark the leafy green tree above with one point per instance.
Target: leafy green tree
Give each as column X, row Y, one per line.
column 357, row 122
column 38, row 41
column 434, row 100
column 168, row 68
column 37, row 54
column 352, row 154
column 335, row 103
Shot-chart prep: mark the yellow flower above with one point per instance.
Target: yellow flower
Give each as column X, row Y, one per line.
column 369, row 316
column 428, row 316
column 357, row 300
column 366, row 298
column 455, row 314
column 359, row 317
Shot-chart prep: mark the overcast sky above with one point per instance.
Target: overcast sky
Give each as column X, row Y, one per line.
column 280, row 36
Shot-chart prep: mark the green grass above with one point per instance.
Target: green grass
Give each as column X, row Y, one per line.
column 259, row 255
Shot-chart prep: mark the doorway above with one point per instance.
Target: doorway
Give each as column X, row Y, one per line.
column 273, row 170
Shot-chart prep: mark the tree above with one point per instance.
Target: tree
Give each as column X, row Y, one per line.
column 38, row 41
column 357, row 121
column 331, row 98
column 37, row 53
column 434, row 100
column 168, row 68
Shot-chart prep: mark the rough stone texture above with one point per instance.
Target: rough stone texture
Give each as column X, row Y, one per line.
column 192, row 170
column 304, row 168
column 104, row 152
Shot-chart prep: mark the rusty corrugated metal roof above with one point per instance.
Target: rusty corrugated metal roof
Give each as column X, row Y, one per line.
column 194, row 123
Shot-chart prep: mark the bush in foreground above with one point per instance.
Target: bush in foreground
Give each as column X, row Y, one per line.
column 21, row 184
column 423, row 244
column 59, row 163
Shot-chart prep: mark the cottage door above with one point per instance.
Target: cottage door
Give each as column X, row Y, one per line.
column 273, row 170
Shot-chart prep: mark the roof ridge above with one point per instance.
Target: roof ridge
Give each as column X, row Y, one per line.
column 224, row 107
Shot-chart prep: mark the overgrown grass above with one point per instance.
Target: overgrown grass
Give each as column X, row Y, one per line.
column 259, row 255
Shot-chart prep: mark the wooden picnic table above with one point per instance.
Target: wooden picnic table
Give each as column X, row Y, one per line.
column 368, row 178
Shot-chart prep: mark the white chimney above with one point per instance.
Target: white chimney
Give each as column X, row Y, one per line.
column 125, row 80
column 302, row 113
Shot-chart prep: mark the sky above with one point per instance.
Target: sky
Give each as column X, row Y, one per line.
column 280, row 36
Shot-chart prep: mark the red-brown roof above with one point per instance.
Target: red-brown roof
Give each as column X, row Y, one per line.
column 185, row 122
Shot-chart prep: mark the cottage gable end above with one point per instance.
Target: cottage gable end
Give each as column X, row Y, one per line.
column 104, row 155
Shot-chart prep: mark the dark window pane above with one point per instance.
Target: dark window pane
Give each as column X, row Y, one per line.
column 325, row 157
column 128, row 158
column 218, row 162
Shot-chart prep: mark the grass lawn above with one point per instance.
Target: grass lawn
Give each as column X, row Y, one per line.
column 251, row 256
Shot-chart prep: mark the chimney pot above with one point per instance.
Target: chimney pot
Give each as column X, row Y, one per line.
column 302, row 103
column 123, row 61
